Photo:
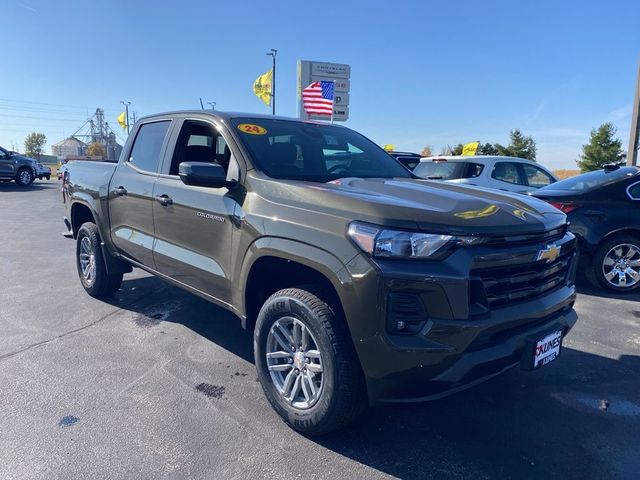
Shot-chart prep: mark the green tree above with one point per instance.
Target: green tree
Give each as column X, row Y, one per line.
column 521, row 146
column 487, row 149
column 96, row 149
column 602, row 149
column 457, row 150
column 34, row 144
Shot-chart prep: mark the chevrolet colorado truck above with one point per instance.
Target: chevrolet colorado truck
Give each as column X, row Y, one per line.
column 361, row 282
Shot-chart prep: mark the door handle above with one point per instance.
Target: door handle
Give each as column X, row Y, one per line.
column 164, row 200
column 120, row 191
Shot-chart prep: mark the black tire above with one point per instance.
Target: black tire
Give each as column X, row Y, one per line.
column 101, row 284
column 342, row 397
column 595, row 271
column 25, row 177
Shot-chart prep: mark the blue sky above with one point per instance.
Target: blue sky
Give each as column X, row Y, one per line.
column 423, row 72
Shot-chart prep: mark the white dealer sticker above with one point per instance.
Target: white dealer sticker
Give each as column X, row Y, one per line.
column 547, row 349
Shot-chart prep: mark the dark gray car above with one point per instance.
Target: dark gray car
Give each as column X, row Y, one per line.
column 14, row 166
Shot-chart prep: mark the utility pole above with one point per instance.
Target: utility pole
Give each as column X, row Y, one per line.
column 273, row 54
column 632, row 153
column 126, row 109
column 213, row 105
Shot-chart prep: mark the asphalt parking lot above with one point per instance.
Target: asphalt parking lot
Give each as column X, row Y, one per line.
column 157, row 383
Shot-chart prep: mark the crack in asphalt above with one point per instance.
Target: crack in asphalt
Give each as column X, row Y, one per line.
column 58, row 337
column 6, row 356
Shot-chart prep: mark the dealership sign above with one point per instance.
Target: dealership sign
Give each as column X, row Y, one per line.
column 340, row 74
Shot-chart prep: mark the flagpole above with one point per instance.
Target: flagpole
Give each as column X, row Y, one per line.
column 333, row 100
column 126, row 109
column 273, row 80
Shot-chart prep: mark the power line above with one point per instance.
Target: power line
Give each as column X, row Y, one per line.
column 42, row 103
column 38, row 118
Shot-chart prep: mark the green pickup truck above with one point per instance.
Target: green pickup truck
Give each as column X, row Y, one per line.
column 361, row 282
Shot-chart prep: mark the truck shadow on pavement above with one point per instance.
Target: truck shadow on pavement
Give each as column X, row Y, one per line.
column 578, row 417
column 12, row 187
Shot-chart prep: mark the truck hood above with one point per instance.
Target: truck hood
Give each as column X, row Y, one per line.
column 425, row 205
column 22, row 158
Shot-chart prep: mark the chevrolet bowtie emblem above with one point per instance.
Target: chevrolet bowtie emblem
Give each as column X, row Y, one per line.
column 548, row 254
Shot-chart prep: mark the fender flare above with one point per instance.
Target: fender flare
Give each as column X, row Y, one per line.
column 308, row 255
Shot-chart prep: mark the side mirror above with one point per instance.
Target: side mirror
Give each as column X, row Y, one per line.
column 204, row 174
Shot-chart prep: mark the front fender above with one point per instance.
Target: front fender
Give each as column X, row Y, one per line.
column 309, row 255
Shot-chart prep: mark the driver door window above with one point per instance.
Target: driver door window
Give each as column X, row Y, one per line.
column 199, row 142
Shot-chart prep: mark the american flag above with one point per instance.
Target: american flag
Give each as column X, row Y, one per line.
column 317, row 98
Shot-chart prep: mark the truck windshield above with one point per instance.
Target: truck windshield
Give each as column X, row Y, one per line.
column 287, row 149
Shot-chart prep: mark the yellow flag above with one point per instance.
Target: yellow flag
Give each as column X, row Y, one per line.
column 470, row 148
column 122, row 120
column 389, row 147
column 262, row 87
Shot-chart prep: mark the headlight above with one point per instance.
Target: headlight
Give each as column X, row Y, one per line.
column 386, row 243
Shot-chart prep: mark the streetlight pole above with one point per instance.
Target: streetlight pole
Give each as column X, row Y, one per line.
column 213, row 105
column 273, row 54
column 126, row 109
column 632, row 153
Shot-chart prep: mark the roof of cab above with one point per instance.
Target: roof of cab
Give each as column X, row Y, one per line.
column 227, row 116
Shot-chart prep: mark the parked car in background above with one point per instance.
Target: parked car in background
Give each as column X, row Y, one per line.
column 408, row 159
column 19, row 168
column 501, row 173
column 42, row 171
column 603, row 208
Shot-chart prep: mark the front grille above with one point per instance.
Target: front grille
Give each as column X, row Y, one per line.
column 528, row 238
column 516, row 283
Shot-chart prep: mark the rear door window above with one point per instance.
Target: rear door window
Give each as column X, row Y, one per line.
column 507, row 172
column 536, row 177
column 145, row 153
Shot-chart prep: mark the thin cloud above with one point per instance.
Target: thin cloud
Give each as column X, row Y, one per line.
column 27, row 7
column 621, row 113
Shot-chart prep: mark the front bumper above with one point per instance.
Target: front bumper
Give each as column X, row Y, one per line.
column 460, row 342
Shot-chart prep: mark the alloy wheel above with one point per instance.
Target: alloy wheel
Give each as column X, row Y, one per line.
column 294, row 362
column 87, row 260
column 621, row 265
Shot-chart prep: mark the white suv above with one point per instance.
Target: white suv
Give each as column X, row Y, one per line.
column 501, row 173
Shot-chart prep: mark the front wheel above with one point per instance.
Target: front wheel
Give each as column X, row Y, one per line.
column 306, row 363
column 90, row 262
column 25, row 177
column 616, row 264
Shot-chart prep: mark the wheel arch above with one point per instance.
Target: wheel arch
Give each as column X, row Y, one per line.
column 634, row 232
column 275, row 263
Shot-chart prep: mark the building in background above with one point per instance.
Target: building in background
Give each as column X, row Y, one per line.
column 69, row 147
column 94, row 130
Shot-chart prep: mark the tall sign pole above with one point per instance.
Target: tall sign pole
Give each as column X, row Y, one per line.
column 273, row 54
column 632, row 153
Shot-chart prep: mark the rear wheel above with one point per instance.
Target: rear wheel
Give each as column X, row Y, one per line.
column 306, row 363
column 616, row 264
column 91, row 266
column 25, row 177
